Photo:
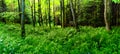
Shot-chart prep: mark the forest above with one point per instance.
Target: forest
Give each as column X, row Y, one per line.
column 59, row 26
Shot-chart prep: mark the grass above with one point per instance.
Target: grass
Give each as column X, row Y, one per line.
column 41, row 40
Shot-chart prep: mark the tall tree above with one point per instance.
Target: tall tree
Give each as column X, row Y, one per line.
column 34, row 13
column 46, row 15
column 49, row 18
column 73, row 13
column 19, row 8
column 107, row 13
column 23, row 18
column 54, row 11
column 40, row 21
column 62, row 13
column 64, row 19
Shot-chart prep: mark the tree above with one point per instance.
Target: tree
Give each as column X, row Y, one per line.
column 107, row 13
column 23, row 18
column 62, row 12
column 73, row 13
column 49, row 18
column 34, row 15
column 54, row 11
column 39, row 13
column 19, row 8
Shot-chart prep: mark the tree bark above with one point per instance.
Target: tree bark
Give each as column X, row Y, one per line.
column 34, row 15
column 39, row 13
column 19, row 8
column 49, row 18
column 62, row 11
column 107, row 13
column 23, row 18
column 73, row 13
column 54, row 11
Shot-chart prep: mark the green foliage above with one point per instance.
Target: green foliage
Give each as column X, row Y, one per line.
column 9, row 16
column 59, row 41
column 91, row 13
column 116, row 1
column 11, row 4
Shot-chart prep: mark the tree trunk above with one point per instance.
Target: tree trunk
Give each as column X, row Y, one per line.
column 34, row 15
column 46, row 13
column 73, row 13
column 64, row 19
column 19, row 8
column 49, row 18
column 39, row 13
column 23, row 18
column 54, row 11
column 61, row 13
column 107, row 13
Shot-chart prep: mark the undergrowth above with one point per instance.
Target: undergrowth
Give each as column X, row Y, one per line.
column 41, row 40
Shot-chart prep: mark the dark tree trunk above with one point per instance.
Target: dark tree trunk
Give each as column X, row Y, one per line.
column 49, row 18
column 64, row 19
column 34, row 15
column 40, row 21
column 19, row 8
column 54, row 12
column 23, row 18
column 46, row 21
column 61, row 13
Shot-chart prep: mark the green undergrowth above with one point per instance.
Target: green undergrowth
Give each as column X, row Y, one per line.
column 43, row 40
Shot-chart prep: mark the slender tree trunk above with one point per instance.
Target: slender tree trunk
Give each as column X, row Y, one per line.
column 34, row 15
column 64, row 19
column 49, row 18
column 61, row 13
column 19, row 8
column 107, row 13
column 23, row 18
column 79, row 3
column 39, row 13
column 73, row 13
column 46, row 16
column 54, row 11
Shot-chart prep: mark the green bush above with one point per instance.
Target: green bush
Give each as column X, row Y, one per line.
column 9, row 16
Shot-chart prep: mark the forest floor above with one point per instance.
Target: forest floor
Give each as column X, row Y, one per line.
column 56, row 40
